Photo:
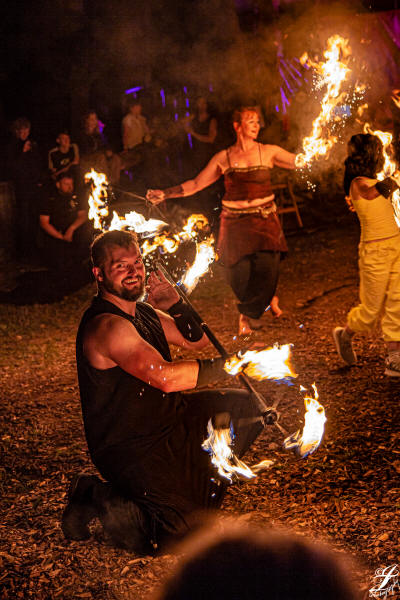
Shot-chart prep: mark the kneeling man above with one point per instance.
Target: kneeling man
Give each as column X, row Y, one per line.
column 143, row 426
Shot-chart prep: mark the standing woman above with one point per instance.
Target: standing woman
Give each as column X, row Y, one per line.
column 379, row 251
column 250, row 238
column 203, row 128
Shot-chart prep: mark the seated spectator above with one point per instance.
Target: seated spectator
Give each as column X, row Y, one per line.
column 64, row 158
column 65, row 231
column 250, row 565
column 24, row 169
column 134, row 127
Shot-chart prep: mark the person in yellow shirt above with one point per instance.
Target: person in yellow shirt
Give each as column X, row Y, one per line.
column 379, row 251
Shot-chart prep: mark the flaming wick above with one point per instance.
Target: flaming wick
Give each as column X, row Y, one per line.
column 306, row 442
column 333, row 73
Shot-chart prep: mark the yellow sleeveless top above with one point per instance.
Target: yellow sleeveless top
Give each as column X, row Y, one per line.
column 376, row 216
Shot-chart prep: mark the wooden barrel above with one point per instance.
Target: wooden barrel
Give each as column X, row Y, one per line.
column 7, row 235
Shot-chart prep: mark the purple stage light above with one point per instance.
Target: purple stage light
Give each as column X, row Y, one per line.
column 162, row 94
column 134, row 90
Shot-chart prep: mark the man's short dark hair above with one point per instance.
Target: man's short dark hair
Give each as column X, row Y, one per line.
column 21, row 123
column 64, row 175
column 106, row 240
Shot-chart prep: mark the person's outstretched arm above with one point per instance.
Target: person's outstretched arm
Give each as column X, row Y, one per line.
column 282, row 158
column 206, row 177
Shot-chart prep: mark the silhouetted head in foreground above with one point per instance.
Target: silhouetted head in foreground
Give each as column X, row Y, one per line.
column 250, row 565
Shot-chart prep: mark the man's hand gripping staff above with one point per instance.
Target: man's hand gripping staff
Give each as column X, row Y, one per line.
column 211, row 369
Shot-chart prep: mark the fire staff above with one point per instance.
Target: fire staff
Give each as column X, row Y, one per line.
column 251, row 239
column 143, row 427
column 379, row 251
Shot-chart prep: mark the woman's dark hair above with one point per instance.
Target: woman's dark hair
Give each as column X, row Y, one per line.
column 250, row 565
column 104, row 241
column 365, row 158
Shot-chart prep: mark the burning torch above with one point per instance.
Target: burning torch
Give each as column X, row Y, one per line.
column 272, row 363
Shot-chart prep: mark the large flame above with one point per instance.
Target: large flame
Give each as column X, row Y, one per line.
column 98, row 209
column 219, row 445
column 137, row 222
column 389, row 166
column 205, row 255
column 309, row 439
column 270, row 363
column 332, row 73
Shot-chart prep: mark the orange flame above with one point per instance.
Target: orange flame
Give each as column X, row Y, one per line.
column 98, row 209
column 396, row 97
column 270, row 363
column 332, row 73
column 389, row 166
column 219, row 445
column 205, row 255
column 310, row 438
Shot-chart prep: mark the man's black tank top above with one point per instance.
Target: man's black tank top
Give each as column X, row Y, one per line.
column 124, row 417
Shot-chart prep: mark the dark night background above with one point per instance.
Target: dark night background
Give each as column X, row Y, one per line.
column 62, row 57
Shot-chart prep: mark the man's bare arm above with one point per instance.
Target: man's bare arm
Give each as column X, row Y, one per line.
column 112, row 341
column 175, row 337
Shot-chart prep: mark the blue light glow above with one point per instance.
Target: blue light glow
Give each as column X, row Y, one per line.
column 134, row 89
column 162, row 94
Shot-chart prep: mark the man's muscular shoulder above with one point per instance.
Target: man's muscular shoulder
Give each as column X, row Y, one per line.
column 103, row 334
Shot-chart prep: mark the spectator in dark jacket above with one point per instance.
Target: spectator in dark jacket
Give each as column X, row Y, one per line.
column 24, row 169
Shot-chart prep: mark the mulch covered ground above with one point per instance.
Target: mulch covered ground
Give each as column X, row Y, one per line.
column 347, row 493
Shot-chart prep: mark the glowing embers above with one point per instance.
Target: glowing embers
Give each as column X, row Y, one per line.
column 309, row 439
column 219, row 445
column 330, row 74
column 205, row 255
column 389, row 166
column 270, row 363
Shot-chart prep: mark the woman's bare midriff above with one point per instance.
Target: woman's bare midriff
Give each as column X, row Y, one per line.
column 248, row 203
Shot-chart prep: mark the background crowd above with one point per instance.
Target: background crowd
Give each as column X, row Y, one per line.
column 147, row 150
column 142, row 148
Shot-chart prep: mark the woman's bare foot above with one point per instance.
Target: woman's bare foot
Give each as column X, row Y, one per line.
column 244, row 325
column 275, row 308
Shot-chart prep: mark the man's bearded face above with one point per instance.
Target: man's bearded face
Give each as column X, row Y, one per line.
column 123, row 274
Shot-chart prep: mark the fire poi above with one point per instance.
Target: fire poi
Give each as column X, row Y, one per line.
column 269, row 363
column 150, row 230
